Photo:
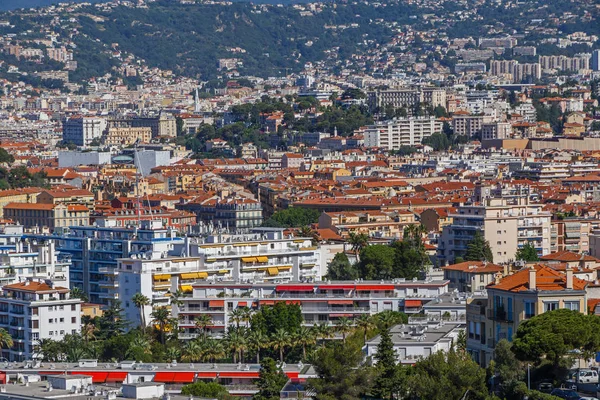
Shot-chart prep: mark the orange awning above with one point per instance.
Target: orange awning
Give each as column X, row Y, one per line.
column 412, row 303
column 267, row 302
column 164, row 377
column 184, row 377
column 216, row 303
column 242, row 303
column 211, row 375
column 116, row 376
column 341, row 302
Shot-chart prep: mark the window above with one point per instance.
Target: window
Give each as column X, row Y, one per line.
column 73, row 307
column 482, row 278
column 62, row 332
column 529, row 309
column 572, row 305
column 550, row 305
column 73, row 320
column 51, row 321
column 62, row 320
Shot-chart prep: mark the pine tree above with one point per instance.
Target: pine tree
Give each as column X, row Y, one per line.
column 389, row 373
column 270, row 381
column 479, row 249
column 527, row 253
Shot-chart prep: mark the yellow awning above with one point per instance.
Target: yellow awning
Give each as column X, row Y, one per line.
column 223, row 271
column 307, row 265
column 186, row 288
column 262, row 259
column 202, row 275
column 189, row 275
column 285, row 267
column 249, row 259
column 162, row 277
column 209, row 260
column 273, row 271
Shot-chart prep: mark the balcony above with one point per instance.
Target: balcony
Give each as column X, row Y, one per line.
column 500, row 315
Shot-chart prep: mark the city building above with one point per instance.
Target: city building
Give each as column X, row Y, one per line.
column 127, row 136
column 50, row 216
column 471, row 276
column 82, row 130
column 34, row 310
column 394, row 134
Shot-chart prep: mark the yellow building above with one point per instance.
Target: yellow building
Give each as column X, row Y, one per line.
column 127, row 136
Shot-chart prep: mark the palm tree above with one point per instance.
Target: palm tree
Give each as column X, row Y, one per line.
column 236, row 316
column 461, row 341
column 280, row 340
column 236, row 341
column 139, row 345
column 358, row 241
column 214, row 350
column 257, row 341
column 323, row 331
column 192, row 351
column 49, row 349
column 140, row 302
column 202, row 322
column 176, row 298
column 6, row 341
column 344, row 326
column 246, row 314
column 364, row 322
column 387, row 319
column 78, row 293
column 88, row 332
column 172, row 353
column 307, row 232
column 305, row 337
column 161, row 316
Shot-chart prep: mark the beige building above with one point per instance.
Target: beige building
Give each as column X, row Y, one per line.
column 471, row 276
column 373, row 223
column 127, row 136
column 49, row 216
column 25, row 195
column 516, row 298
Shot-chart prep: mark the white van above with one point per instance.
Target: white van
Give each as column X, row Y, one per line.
column 586, row 376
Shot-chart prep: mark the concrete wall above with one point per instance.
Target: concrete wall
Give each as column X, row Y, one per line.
column 75, row 158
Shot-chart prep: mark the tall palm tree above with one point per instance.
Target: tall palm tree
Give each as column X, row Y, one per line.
column 344, row 326
column 162, row 317
column 387, row 319
column 88, row 332
column 214, row 350
column 139, row 345
column 305, row 337
column 236, row 316
column 246, row 314
column 323, row 331
column 364, row 322
column 202, row 322
column 172, row 353
column 257, row 341
column 236, row 341
column 6, row 341
column 176, row 298
column 280, row 340
column 358, row 241
column 141, row 301
column 192, row 351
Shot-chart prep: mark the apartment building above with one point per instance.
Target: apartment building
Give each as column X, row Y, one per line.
column 35, row 310
column 571, row 234
column 24, row 195
column 516, row 298
column 93, row 251
column 406, row 97
column 31, row 259
column 373, row 223
column 471, row 276
column 320, row 302
column 498, row 220
column 463, row 123
column 496, row 130
column 564, row 63
column 82, row 130
column 527, row 73
column 126, row 136
column 161, row 126
column 393, row 134
column 51, row 216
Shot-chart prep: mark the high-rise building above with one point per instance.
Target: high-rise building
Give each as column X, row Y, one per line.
column 396, row 133
column 595, row 60
column 82, row 130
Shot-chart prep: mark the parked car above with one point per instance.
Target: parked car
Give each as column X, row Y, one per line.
column 545, row 387
column 567, row 394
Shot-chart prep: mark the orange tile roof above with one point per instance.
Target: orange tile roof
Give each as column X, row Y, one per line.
column 568, row 256
column 474, row 267
column 32, row 286
column 546, row 278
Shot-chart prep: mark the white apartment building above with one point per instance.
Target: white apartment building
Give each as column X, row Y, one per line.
column 37, row 260
column 399, row 132
column 83, row 130
column 506, row 225
column 34, row 310
column 496, row 130
column 263, row 256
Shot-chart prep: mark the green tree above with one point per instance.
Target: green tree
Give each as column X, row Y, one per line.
column 358, row 241
column 293, row 217
column 450, row 375
column 365, row 322
column 112, row 322
column 141, row 301
column 202, row 322
column 6, row 157
column 6, row 340
column 527, row 253
column 437, row 141
column 78, row 293
column 161, row 316
column 377, row 262
column 344, row 326
column 257, row 340
column 479, row 249
column 305, row 337
column 340, row 269
column 211, row 390
column 269, row 319
column 270, row 381
column 390, row 376
column 280, row 339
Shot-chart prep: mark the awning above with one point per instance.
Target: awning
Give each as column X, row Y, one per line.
column 341, row 302
column 267, row 302
column 340, row 315
column 183, row 377
column 374, row 287
column 97, row 377
column 241, row 374
column 211, row 375
column 336, row 287
column 216, row 303
column 162, row 277
column 189, row 275
column 285, row 267
column 164, row 377
column 186, row 288
column 116, row 376
column 223, row 271
column 295, row 288
column 262, row 259
column 202, row 275
column 288, row 302
column 412, row 303
column 249, row 259
column 273, row 271
column 242, row 303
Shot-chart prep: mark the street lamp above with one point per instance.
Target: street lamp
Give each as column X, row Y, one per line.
column 528, row 377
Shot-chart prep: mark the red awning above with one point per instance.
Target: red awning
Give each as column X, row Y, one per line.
column 216, row 303
column 295, row 288
column 211, row 375
column 340, row 315
column 242, row 374
column 412, row 303
column 184, row 377
column 336, row 287
column 267, row 302
column 292, row 375
column 97, row 377
column 116, row 377
column 290, row 302
column 164, row 377
column 242, row 303
column 341, row 302
column 374, row 287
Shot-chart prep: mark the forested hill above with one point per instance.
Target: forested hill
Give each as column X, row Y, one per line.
column 6, row 5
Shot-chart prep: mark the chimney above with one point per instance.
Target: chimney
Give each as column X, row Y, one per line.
column 569, row 273
column 506, row 269
column 532, row 278
column 497, row 278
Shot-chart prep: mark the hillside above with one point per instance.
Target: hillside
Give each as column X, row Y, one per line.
column 6, row 5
